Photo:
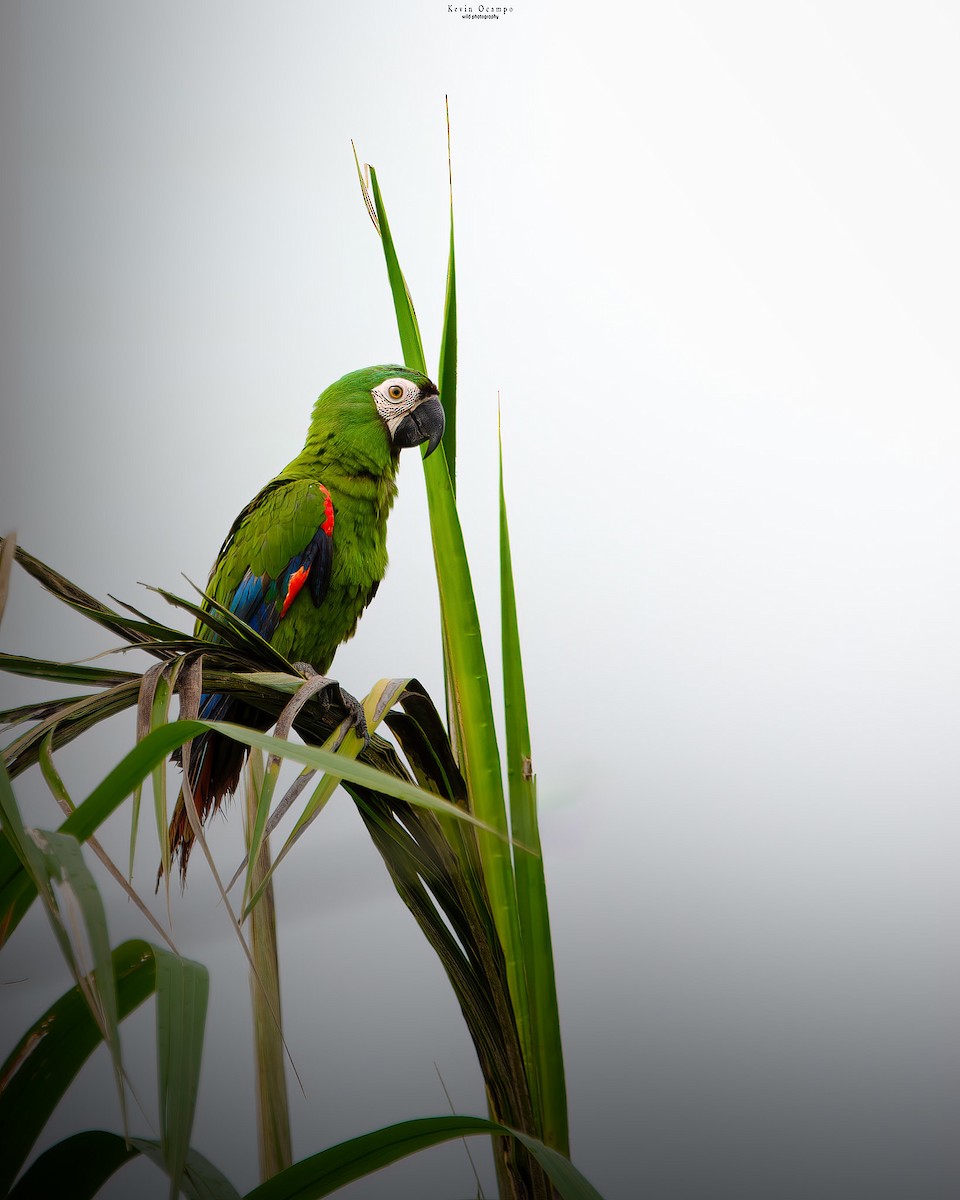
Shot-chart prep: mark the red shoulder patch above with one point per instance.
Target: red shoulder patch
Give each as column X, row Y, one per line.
column 297, row 580
column 327, row 525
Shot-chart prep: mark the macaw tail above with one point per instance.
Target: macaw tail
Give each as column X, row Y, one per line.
column 215, row 765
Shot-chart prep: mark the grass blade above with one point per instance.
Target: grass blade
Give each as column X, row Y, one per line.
column 149, row 684
column 182, row 991
column 74, row 907
column 17, row 891
column 47, row 1058
column 376, row 704
column 227, row 626
column 469, row 699
column 267, row 786
column 38, row 668
column 344, row 768
column 38, row 711
column 200, row 1181
column 56, row 785
column 159, row 715
column 466, row 665
column 8, row 550
column 349, row 1161
column 68, row 721
column 273, row 1119
column 349, row 744
column 447, row 372
column 76, row 1168
column 548, row 1077
column 74, row 596
column 407, row 324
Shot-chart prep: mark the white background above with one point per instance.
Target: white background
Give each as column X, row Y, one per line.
column 708, row 256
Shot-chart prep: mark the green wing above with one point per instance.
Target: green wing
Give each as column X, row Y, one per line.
column 280, row 543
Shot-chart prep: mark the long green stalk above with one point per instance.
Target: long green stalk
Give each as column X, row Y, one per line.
column 466, row 664
column 447, row 370
column 551, row 1089
column 273, row 1117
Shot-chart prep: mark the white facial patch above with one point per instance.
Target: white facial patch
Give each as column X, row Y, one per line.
column 394, row 398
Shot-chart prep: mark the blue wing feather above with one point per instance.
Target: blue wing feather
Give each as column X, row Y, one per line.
column 259, row 600
column 248, row 595
column 262, row 601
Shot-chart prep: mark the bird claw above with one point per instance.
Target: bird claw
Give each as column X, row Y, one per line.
column 357, row 717
column 305, row 668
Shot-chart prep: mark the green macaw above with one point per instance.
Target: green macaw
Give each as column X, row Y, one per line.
column 306, row 556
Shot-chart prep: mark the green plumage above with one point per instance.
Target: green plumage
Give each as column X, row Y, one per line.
column 306, row 555
column 280, row 522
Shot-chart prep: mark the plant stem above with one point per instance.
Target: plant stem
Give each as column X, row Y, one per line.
column 273, row 1118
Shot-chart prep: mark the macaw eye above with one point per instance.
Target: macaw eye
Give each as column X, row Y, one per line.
column 395, row 391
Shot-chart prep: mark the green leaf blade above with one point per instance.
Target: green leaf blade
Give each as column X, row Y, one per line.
column 79, row 1166
column 468, row 681
column 528, row 864
column 48, row 1057
column 75, row 910
column 201, row 1180
column 76, row 1168
column 407, row 324
column 182, row 992
column 447, row 372
column 321, row 1174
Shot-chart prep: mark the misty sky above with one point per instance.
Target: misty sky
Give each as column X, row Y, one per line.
column 708, row 257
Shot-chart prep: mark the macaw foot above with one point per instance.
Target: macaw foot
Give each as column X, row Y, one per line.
column 358, row 719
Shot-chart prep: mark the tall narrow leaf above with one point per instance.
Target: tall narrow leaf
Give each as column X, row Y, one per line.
column 447, row 371
column 266, row 785
column 407, row 324
column 159, row 715
column 54, row 862
column 79, row 1166
column 447, row 382
column 323, row 1173
column 74, row 1169
column 17, row 889
column 48, row 1057
column 7, row 553
column 348, row 744
column 466, row 665
column 62, row 797
column 182, row 990
column 273, row 1119
column 528, row 864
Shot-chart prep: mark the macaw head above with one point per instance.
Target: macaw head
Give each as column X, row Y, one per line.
column 376, row 403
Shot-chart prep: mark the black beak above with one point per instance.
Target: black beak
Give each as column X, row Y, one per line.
column 423, row 424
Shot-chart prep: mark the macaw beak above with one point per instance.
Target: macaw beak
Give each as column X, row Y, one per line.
column 422, row 424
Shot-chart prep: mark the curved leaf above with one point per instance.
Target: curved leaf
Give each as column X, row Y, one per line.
column 47, row 1058
column 201, row 1179
column 76, row 1168
column 40, row 668
column 323, row 1173
column 447, row 370
column 182, row 990
column 57, row 869
column 376, row 705
column 469, row 700
column 16, row 890
column 548, row 1079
